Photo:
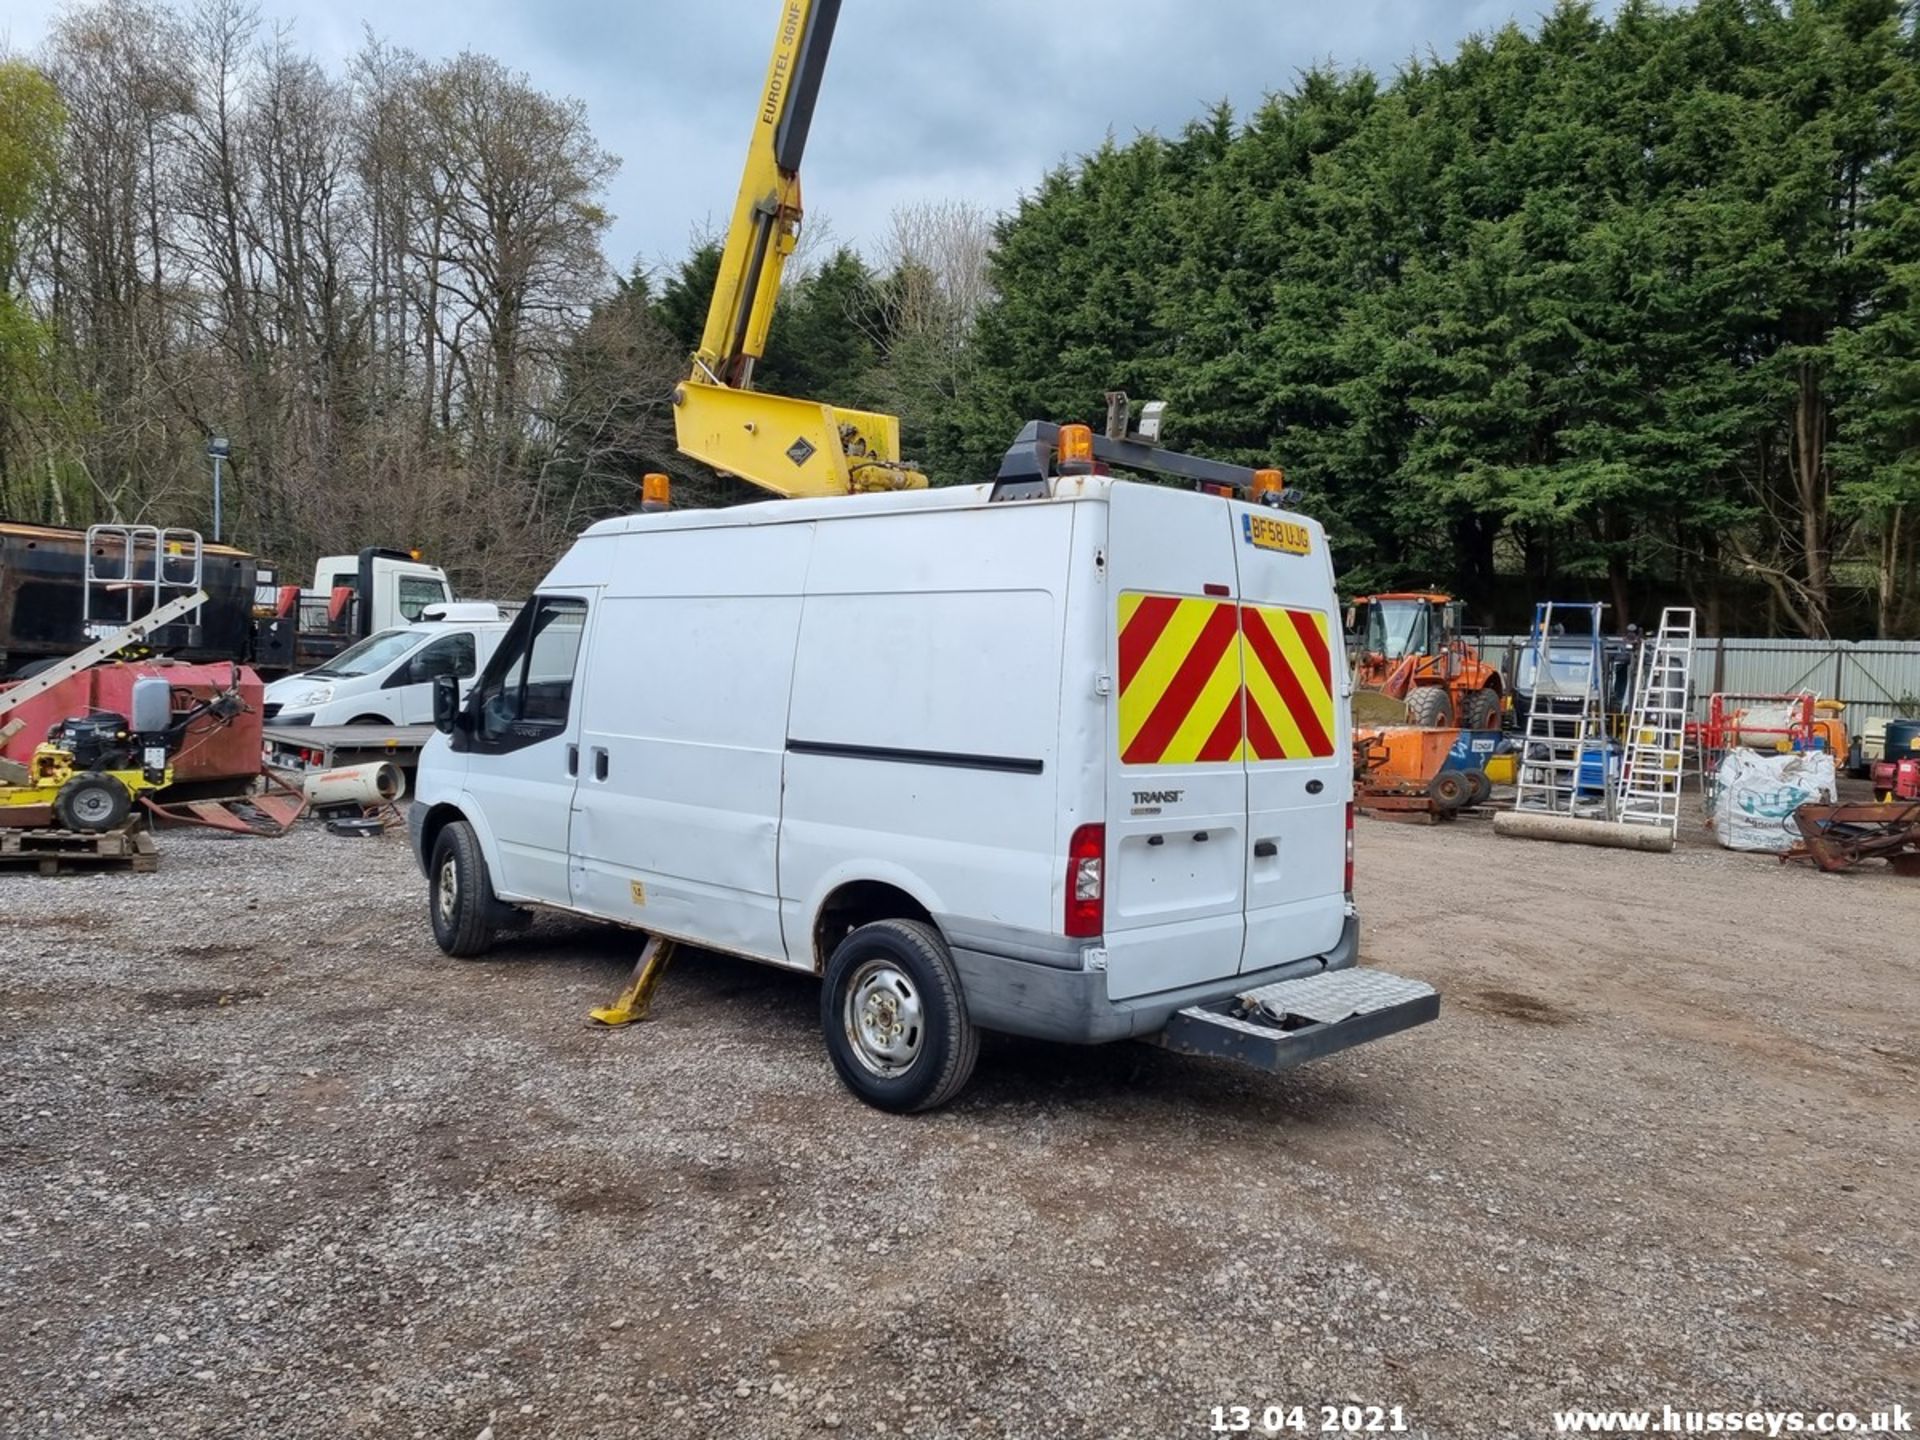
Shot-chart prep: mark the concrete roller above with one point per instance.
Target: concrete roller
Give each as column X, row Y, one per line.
column 1524, row 825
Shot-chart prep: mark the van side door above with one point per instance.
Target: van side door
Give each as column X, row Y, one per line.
column 524, row 752
column 683, row 735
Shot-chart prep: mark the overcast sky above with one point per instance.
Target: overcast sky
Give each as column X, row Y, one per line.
column 974, row 100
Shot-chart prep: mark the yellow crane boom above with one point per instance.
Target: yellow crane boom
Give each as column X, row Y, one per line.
column 791, row 447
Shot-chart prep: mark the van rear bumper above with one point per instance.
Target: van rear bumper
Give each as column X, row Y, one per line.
column 1044, row 1002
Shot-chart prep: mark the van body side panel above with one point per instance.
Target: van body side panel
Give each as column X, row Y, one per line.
column 677, row 813
column 1299, row 745
column 1177, row 788
column 921, row 743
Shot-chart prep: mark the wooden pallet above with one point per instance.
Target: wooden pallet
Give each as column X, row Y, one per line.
column 71, row 852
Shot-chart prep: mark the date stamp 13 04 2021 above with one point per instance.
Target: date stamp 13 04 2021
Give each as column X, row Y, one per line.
column 1283, row 1419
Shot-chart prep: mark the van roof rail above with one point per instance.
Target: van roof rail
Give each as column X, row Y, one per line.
column 1028, row 463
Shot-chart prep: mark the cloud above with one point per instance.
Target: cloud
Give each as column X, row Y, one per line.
column 973, row 100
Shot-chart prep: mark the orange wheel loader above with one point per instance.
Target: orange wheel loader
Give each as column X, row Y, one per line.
column 1409, row 646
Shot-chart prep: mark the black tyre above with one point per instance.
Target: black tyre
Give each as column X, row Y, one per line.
column 1480, row 788
column 92, row 802
column 895, row 1021
column 460, row 893
column 1450, row 790
column 369, row 720
column 1482, row 711
column 1429, row 706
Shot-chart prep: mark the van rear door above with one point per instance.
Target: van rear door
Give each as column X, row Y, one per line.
column 1176, row 786
column 1298, row 752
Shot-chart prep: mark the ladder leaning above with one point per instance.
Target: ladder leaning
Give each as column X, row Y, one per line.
column 1651, row 773
column 1563, row 763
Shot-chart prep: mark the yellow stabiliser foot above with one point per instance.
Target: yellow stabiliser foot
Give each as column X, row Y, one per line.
column 634, row 998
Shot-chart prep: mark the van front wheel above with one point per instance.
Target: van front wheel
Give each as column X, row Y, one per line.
column 895, row 1021
column 459, row 892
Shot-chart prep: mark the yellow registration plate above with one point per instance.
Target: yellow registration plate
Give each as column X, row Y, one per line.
column 1267, row 533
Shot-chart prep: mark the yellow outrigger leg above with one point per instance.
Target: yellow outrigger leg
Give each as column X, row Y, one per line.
column 634, row 998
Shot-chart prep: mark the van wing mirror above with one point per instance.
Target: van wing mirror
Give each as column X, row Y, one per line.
column 446, row 703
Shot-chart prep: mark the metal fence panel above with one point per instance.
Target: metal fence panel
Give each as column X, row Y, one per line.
column 1878, row 679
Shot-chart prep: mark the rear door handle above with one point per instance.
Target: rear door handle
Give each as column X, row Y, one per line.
column 599, row 763
column 1265, row 849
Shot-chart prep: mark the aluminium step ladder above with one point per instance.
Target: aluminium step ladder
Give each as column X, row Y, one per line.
column 1564, row 755
column 1652, row 771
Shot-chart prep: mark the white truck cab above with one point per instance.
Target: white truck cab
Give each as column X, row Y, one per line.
column 394, row 586
column 387, row 678
column 1064, row 756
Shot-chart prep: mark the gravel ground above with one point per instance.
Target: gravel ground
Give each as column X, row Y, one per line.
column 272, row 1166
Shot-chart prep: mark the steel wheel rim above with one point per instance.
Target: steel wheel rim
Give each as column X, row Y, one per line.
column 93, row 805
column 447, row 893
column 884, row 1019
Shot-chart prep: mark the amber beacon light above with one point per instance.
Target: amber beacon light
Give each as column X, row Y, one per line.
column 1075, row 447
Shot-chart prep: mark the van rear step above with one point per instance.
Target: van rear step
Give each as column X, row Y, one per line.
column 1294, row 1021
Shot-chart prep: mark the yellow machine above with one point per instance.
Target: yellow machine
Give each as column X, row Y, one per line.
column 791, row 447
column 90, row 768
column 86, row 800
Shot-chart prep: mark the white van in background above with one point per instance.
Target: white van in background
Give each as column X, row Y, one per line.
column 387, row 678
column 1064, row 756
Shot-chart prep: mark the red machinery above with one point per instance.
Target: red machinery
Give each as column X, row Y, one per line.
column 1896, row 780
column 1774, row 723
column 209, row 759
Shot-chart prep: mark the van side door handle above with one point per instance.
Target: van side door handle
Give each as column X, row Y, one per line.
column 573, row 759
column 1265, row 849
column 599, row 762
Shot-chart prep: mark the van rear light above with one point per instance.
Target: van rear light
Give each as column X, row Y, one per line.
column 1349, row 847
column 1087, row 882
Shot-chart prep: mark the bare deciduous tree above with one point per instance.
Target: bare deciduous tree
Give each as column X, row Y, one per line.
column 368, row 283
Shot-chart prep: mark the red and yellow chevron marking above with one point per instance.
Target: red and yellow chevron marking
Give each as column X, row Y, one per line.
column 1179, row 680
column 1211, row 681
column 1289, row 679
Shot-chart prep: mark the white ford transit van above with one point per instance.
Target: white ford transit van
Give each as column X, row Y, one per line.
column 1065, row 756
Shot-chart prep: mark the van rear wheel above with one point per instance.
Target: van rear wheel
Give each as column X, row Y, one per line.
column 460, row 893
column 895, row 1021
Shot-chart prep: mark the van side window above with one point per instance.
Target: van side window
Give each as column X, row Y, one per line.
column 528, row 686
column 449, row 655
column 556, row 643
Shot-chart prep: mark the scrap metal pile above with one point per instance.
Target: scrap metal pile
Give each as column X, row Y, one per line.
column 1839, row 837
